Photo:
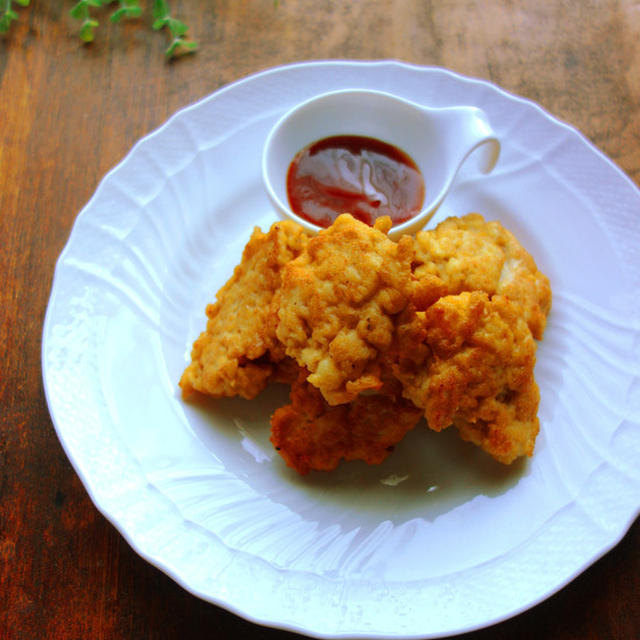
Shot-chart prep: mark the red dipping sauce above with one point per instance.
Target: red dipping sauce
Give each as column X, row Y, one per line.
column 362, row 176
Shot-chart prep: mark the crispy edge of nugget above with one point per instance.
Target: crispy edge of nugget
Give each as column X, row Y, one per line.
column 471, row 254
column 236, row 353
column 475, row 370
column 310, row 434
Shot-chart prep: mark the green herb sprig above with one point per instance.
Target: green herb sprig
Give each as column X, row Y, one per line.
column 127, row 9
column 131, row 9
column 84, row 12
column 7, row 14
column 162, row 18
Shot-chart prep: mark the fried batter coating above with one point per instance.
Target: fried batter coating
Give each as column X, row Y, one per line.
column 338, row 301
column 311, row 434
column 474, row 369
column 235, row 356
column 470, row 254
column 373, row 334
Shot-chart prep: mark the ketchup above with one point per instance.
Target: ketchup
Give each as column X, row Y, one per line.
column 362, row 176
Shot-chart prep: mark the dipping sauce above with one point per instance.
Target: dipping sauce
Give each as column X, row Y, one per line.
column 362, row 176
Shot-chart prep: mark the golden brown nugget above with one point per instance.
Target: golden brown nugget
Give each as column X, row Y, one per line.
column 472, row 366
column 470, row 254
column 373, row 334
column 311, row 434
column 338, row 302
column 235, row 356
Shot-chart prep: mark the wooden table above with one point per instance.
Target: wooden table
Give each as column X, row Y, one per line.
column 69, row 112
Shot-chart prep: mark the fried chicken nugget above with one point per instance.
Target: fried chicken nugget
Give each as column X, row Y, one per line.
column 311, row 434
column 470, row 254
column 338, row 301
column 472, row 367
column 237, row 352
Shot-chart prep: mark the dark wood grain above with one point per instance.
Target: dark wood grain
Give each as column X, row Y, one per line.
column 68, row 113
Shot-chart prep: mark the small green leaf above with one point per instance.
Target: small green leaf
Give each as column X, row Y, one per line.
column 79, row 11
column 7, row 18
column 117, row 15
column 87, row 30
column 170, row 51
column 160, row 9
column 178, row 46
column 177, row 28
column 125, row 12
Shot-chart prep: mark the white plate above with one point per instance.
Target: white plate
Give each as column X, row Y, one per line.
column 438, row 539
